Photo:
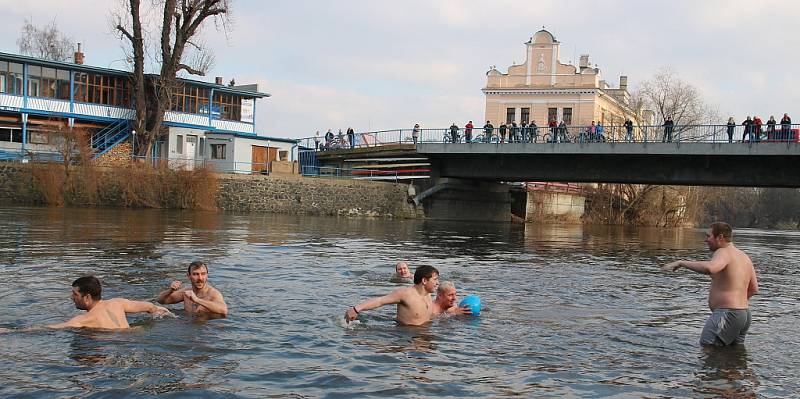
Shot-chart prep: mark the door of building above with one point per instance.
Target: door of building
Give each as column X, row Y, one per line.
column 259, row 160
column 190, row 151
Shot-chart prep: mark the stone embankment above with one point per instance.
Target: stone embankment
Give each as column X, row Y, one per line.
column 288, row 194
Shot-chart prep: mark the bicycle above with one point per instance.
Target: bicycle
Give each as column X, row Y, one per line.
column 448, row 138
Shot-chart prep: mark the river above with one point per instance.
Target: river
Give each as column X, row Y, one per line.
column 569, row 311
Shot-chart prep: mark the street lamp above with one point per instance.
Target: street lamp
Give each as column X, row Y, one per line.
column 133, row 144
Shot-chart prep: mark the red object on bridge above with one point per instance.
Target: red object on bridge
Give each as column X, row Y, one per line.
column 771, row 136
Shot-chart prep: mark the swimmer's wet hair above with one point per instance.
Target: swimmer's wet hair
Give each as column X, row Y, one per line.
column 722, row 228
column 424, row 271
column 444, row 286
column 89, row 285
column 195, row 265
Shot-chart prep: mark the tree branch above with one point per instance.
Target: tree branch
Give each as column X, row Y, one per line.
column 184, row 67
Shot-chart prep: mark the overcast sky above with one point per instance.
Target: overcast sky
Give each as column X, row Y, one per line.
column 389, row 64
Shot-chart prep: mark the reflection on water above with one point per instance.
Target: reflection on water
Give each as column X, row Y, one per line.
column 568, row 310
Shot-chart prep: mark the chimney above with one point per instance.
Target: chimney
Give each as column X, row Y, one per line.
column 79, row 56
column 584, row 62
column 218, row 80
column 623, row 82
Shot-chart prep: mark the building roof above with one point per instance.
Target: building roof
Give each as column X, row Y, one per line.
column 253, row 136
column 241, row 90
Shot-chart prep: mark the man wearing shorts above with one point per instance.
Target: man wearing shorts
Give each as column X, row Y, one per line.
column 733, row 282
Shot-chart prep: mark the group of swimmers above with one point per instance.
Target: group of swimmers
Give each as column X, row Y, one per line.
column 733, row 283
column 198, row 299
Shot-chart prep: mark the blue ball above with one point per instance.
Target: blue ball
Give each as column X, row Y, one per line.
column 473, row 302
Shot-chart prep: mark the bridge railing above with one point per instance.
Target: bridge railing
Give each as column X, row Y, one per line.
column 564, row 134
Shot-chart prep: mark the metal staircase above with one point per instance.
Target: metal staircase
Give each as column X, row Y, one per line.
column 108, row 137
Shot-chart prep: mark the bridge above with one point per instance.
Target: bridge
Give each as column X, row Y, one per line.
column 465, row 174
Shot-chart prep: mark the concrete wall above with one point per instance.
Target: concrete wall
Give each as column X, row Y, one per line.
column 315, row 196
column 547, row 206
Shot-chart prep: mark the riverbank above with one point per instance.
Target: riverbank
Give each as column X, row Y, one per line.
column 136, row 186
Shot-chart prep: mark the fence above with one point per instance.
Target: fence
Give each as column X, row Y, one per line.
column 563, row 134
column 340, row 173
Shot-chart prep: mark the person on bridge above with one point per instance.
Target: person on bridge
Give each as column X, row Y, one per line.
column 733, row 283
column 502, row 131
column 351, row 137
column 103, row 313
column 328, row 139
column 534, row 129
column 523, row 129
column 414, row 304
column 669, row 125
column 415, row 133
column 756, row 136
column 731, row 127
column 445, row 302
column 488, row 129
column 468, row 132
column 628, row 130
column 771, row 127
column 201, row 298
column 513, row 134
column 786, row 126
column 748, row 130
column 454, row 133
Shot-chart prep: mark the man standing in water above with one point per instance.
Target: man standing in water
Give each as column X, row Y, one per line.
column 202, row 298
column 445, row 301
column 733, row 282
column 414, row 304
column 108, row 313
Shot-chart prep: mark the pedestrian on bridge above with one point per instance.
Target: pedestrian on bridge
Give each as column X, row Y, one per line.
column 731, row 128
column 468, row 132
column 454, row 133
column 502, row 131
column 415, row 133
column 351, row 137
column 628, row 130
column 534, row 129
column 786, row 126
column 513, row 133
column 488, row 129
column 669, row 125
column 748, row 129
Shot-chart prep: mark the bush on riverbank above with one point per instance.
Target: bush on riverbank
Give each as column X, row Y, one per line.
column 78, row 181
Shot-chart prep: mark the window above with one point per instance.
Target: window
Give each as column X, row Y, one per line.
column 11, row 134
column 15, row 78
column 510, row 114
column 38, row 137
column 525, row 115
column 201, row 149
column 179, row 144
column 34, row 80
column 283, row 155
column 568, row 116
column 62, row 84
column 189, row 99
column 3, row 76
column 230, row 106
column 217, row 151
column 552, row 114
column 100, row 89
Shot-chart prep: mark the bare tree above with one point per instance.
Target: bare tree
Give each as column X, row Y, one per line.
column 669, row 96
column 46, row 42
column 178, row 51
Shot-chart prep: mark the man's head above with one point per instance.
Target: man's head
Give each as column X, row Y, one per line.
column 86, row 291
column 427, row 276
column 401, row 269
column 446, row 295
column 198, row 274
column 718, row 235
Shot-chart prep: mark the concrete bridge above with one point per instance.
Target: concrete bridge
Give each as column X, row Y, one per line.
column 465, row 178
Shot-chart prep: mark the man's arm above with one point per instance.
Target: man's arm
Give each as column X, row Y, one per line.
column 717, row 263
column 140, row 306
column 395, row 296
column 459, row 310
column 75, row 322
column 752, row 286
column 215, row 304
column 171, row 294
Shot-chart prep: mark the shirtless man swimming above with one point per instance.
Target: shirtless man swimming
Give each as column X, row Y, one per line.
column 414, row 304
column 201, row 298
column 445, row 302
column 401, row 270
column 733, row 282
column 108, row 313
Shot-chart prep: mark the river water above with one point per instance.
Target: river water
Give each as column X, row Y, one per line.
column 569, row 311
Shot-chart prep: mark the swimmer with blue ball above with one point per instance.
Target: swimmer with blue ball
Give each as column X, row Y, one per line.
column 445, row 302
column 473, row 303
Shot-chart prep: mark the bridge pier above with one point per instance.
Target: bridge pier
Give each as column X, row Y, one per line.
column 465, row 199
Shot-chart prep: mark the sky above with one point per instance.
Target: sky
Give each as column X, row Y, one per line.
column 375, row 65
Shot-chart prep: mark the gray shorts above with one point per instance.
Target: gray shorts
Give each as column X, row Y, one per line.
column 725, row 327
